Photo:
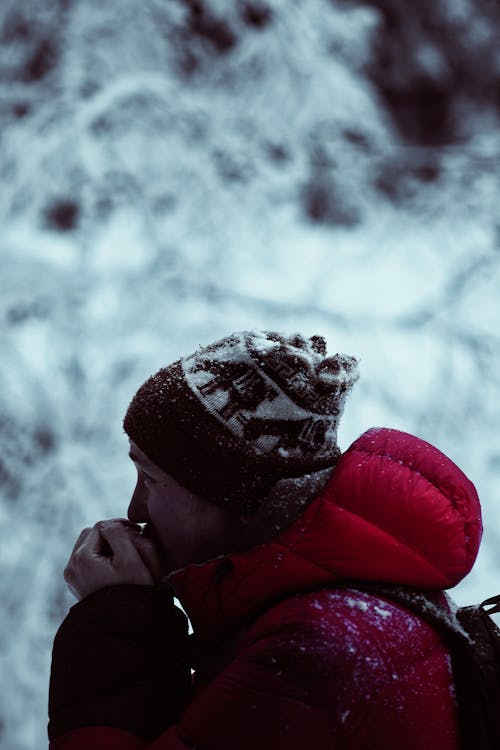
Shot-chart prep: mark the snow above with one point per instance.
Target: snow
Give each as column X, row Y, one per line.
column 358, row 604
column 240, row 196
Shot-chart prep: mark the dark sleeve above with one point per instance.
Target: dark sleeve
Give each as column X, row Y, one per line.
column 120, row 659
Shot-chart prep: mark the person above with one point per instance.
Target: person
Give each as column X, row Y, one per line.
column 247, row 513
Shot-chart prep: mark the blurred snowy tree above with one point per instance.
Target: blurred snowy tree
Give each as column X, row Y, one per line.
column 425, row 66
column 175, row 170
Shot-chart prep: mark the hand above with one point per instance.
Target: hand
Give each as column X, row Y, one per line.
column 110, row 553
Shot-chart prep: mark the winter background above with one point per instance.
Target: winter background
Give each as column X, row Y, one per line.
column 174, row 170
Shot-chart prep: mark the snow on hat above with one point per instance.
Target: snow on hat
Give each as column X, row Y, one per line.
column 236, row 416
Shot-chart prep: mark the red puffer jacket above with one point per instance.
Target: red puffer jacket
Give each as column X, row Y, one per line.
column 287, row 659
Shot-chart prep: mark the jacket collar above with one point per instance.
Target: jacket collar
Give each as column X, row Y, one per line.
column 222, row 594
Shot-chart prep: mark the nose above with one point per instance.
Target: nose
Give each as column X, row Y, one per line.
column 138, row 508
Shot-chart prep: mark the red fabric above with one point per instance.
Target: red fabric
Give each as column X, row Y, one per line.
column 296, row 662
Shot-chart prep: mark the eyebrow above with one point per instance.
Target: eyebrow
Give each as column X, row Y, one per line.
column 134, row 457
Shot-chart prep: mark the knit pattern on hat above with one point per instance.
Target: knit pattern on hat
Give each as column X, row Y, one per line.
column 231, row 419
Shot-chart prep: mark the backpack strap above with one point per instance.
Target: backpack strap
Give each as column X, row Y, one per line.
column 492, row 605
column 430, row 605
column 473, row 640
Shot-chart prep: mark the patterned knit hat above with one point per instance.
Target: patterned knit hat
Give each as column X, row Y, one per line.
column 236, row 416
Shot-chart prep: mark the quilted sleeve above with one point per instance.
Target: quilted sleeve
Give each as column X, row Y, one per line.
column 273, row 694
column 120, row 660
column 269, row 695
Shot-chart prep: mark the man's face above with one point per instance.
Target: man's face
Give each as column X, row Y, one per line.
column 186, row 528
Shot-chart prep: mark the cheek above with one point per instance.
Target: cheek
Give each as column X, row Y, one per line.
column 171, row 517
column 158, row 507
column 165, row 513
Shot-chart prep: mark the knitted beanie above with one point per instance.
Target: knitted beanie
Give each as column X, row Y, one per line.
column 230, row 420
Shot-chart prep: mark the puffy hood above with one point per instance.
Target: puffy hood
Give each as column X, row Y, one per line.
column 395, row 509
column 401, row 511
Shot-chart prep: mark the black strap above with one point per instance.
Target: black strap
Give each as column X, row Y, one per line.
column 492, row 605
column 474, row 672
column 425, row 603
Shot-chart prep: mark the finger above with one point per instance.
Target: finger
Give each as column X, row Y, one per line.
column 92, row 541
column 88, row 545
column 121, row 540
column 94, row 544
column 119, row 524
column 81, row 538
column 122, row 521
column 75, row 553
